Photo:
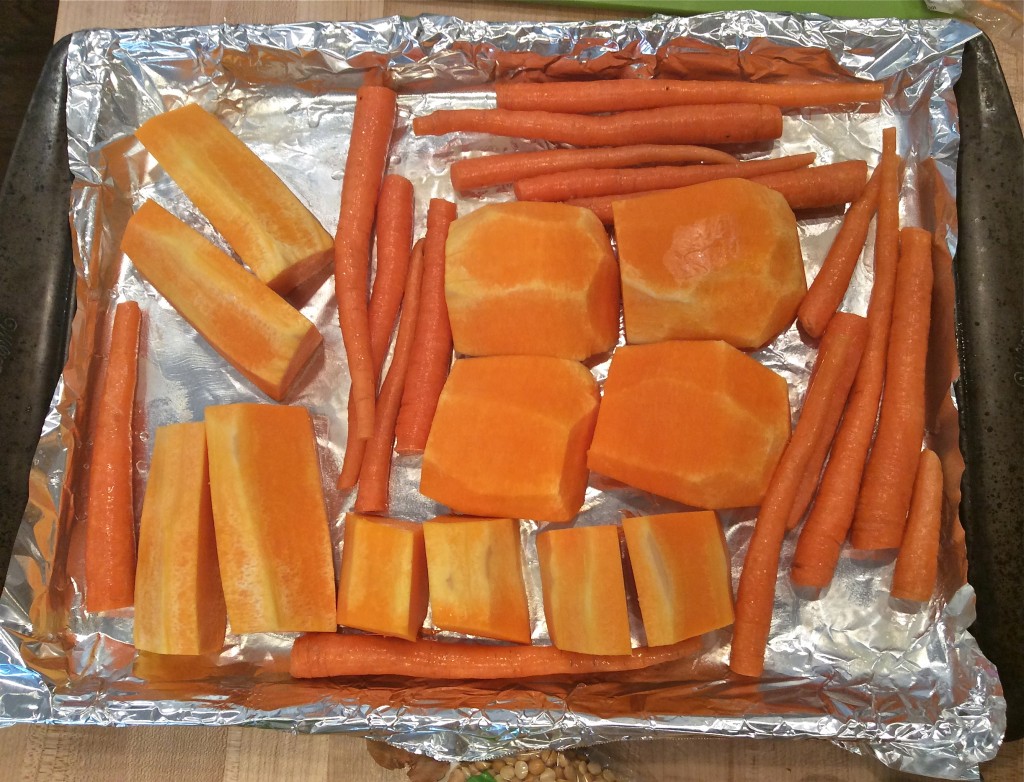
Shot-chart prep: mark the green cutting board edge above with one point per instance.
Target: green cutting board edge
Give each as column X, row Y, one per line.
column 862, row 9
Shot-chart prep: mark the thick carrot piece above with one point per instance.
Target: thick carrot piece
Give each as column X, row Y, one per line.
column 432, row 348
column 376, row 467
column 587, row 183
column 480, row 172
column 837, row 366
column 319, row 655
column 832, row 514
column 367, row 158
column 889, row 476
column 829, row 287
column 110, row 518
column 722, row 124
column 917, row 562
column 630, row 94
column 819, row 187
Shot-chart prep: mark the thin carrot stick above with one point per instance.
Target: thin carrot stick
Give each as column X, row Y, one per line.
column 823, row 186
column 319, row 655
column 432, row 348
column 586, row 183
column 364, row 167
column 829, row 287
column 631, row 94
column 889, row 476
column 480, row 172
column 723, row 124
column 917, row 562
column 830, row 518
column 110, row 515
column 376, row 467
column 837, row 365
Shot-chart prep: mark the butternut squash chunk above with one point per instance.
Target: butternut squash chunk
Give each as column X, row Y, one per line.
column 263, row 221
column 273, row 545
column 254, row 329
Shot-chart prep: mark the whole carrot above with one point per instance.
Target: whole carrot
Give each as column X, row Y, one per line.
column 376, row 467
column 917, row 561
column 830, row 518
column 755, row 598
column 319, row 655
column 110, row 516
column 721, row 124
column 480, row 172
column 889, row 476
column 630, row 94
column 587, row 183
column 829, row 287
column 432, row 348
column 823, row 186
column 372, row 126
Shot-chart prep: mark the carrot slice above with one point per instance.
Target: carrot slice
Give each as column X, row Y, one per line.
column 480, row 172
column 432, row 348
column 110, row 517
column 889, row 476
column 837, row 365
column 917, row 562
column 721, row 124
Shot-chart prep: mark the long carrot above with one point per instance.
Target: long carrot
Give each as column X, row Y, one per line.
column 917, row 561
column 432, row 348
column 837, row 364
column 889, row 476
column 630, row 94
column 829, row 521
column 723, row 124
column 394, row 238
column 480, row 172
column 372, row 126
column 829, row 287
column 586, row 183
column 110, row 516
column 376, row 466
column 318, row 655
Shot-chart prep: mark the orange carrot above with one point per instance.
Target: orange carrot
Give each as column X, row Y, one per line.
column 829, row 287
column 586, row 183
column 110, row 516
column 832, row 514
column 917, row 562
column 376, row 466
column 318, row 655
column 364, row 167
column 432, row 348
column 837, row 365
column 733, row 123
column 630, row 94
column 394, row 236
column 480, row 172
column 823, row 186
column 889, row 476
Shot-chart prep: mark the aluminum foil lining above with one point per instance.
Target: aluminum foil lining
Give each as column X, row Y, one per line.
column 912, row 689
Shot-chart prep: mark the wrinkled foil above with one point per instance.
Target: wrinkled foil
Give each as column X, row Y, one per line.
column 911, row 689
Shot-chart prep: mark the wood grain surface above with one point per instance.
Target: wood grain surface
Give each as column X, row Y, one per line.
column 177, row 754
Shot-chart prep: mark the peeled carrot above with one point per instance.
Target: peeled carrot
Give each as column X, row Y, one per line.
column 432, row 348
column 889, row 476
column 364, row 167
column 480, row 172
column 837, row 365
column 318, row 655
column 917, row 562
column 733, row 123
column 829, row 287
column 819, row 187
column 630, row 94
column 376, row 466
column 586, row 183
column 394, row 237
column 832, row 514
column 110, row 515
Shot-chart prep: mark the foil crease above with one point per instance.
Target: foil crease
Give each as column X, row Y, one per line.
column 912, row 690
